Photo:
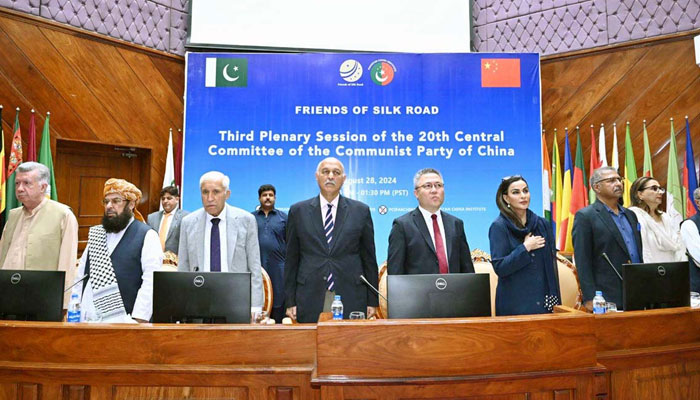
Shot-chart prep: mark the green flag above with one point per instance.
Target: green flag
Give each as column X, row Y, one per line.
column 46, row 159
column 630, row 167
column 674, row 191
column 226, row 72
column 15, row 160
column 647, row 154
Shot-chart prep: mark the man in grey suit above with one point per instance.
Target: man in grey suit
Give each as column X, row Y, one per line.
column 220, row 237
column 167, row 221
column 330, row 243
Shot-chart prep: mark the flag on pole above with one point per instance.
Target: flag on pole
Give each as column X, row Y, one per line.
column 601, row 147
column 31, row 150
column 46, row 159
column 594, row 165
column 647, row 154
column 674, row 191
column 690, row 179
column 556, row 187
column 178, row 160
column 546, row 181
column 579, row 197
column 15, row 160
column 614, row 161
column 169, row 176
column 2, row 173
column 564, row 229
column 630, row 167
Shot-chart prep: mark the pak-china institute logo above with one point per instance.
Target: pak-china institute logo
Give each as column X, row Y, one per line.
column 382, row 72
column 226, row 72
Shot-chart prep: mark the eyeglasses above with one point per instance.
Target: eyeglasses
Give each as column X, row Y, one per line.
column 430, row 186
column 611, row 180
column 115, row 201
column 326, row 172
column 654, row 188
column 506, row 178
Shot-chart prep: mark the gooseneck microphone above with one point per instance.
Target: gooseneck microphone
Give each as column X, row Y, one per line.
column 77, row 282
column 605, row 256
column 373, row 288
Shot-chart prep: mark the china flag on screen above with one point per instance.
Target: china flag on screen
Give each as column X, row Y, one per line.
column 500, row 72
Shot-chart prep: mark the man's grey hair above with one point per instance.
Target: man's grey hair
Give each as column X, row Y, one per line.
column 597, row 175
column 318, row 167
column 422, row 172
column 215, row 176
column 696, row 193
column 43, row 171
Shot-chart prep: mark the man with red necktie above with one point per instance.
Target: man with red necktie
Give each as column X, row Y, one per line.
column 428, row 240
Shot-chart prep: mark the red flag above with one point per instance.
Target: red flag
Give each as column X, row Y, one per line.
column 500, row 72
column 31, row 151
column 594, row 164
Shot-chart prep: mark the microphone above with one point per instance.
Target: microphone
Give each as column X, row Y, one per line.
column 612, row 266
column 373, row 288
column 77, row 282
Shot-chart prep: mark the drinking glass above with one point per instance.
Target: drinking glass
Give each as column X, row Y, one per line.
column 357, row 315
column 695, row 299
column 610, row 307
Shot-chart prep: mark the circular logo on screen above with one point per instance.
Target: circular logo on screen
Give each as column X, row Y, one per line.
column 382, row 72
column 350, row 70
column 441, row 283
column 661, row 270
column 383, row 209
column 198, row 281
column 15, row 278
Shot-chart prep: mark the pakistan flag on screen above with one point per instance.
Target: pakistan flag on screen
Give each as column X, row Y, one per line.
column 226, row 72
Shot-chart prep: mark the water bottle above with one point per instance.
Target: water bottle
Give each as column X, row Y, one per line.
column 598, row 303
column 337, row 308
column 74, row 308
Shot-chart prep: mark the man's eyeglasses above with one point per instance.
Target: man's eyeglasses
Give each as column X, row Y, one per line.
column 654, row 188
column 115, row 202
column 430, row 186
column 611, row 180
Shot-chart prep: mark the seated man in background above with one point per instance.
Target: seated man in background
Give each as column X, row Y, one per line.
column 221, row 238
column 167, row 221
column 120, row 258
column 42, row 234
column 690, row 235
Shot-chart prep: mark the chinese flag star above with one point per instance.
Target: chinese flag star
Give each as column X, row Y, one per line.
column 500, row 72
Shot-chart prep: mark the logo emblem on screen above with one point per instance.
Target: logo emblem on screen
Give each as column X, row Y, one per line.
column 661, row 270
column 441, row 283
column 15, row 278
column 350, row 70
column 382, row 72
column 198, row 281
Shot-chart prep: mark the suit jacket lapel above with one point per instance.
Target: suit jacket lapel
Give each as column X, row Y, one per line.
column 232, row 224
column 173, row 224
column 449, row 235
column 201, row 227
column 419, row 221
column 315, row 217
column 339, row 223
column 608, row 222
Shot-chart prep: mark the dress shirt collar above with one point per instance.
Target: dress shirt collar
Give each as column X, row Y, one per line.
column 324, row 202
column 261, row 212
column 428, row 215
column 36, row 209
column 620, row 209
column 221, row 216
column 171, row 212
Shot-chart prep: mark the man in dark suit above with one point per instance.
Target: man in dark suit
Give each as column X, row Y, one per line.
column 605, row 227
column 428, row 240
column 328, row 248
column 168, row 228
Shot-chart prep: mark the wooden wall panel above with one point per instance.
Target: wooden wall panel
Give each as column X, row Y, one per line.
column 656, row 80
column 97, row 89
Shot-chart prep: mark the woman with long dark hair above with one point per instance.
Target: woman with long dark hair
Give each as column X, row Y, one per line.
column 523, row 253
column 661, row 240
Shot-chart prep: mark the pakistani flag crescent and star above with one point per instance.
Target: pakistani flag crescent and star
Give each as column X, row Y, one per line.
column 226, row 72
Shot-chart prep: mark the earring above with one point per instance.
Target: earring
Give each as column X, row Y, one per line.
column 508, row 205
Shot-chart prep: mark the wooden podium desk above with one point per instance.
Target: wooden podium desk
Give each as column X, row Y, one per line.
column 568, row 355
column 651, row 354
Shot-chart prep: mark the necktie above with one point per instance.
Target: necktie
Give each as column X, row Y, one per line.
column 215, row 246
column 328, row 225
column 163, row 232
column 439, row 246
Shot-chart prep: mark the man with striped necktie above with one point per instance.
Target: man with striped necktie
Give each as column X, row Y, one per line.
column 330, row 243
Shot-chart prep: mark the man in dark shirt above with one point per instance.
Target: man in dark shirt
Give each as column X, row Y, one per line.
column 272, row 225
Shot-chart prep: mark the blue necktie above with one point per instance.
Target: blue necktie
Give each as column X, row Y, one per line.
column 215, row 246
column 328, row 225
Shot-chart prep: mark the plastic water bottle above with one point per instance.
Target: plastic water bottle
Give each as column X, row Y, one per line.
column 337, row 308
column 598, row 303
column 74, row 308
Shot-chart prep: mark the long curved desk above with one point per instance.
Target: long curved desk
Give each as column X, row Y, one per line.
column 566, row 355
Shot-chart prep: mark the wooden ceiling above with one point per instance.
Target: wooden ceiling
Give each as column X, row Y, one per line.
column 653, row 81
